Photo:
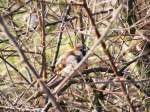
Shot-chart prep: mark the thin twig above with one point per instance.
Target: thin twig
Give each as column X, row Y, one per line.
column 61, row 85
column 23, row 93
column 106, row 50
column 60, row 37
column 30, row 67
column 43, row 73
column 6, row 108
column 15, row 69
column 15, row 10
column 3, row 95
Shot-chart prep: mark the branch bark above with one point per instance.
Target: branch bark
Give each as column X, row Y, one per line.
column 43, row 73
column 106, row 51
column 60, row 37
column 30, row 67
column 61, row 85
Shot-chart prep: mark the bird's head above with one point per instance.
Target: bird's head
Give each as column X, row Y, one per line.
column 82, row 48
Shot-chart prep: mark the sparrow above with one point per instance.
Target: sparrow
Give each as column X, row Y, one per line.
column 67, row 62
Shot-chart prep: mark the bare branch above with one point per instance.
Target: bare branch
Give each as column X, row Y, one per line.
column 30, row 67
column 61, row 85
column 60, row 37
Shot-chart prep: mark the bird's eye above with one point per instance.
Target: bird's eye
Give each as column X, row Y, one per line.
column 82, row 48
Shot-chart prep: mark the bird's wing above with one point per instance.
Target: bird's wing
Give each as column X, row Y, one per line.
column 71, row 60
column 60, row 64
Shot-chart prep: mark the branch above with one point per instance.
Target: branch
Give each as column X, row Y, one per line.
column 30, row 67
column 43, row 73
column 106, row 51
column 15, row 69
column 5, row 108
column 15, row 10
column 60, row 21
column 69, row 76
column 60, row 37
column 97, row 69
